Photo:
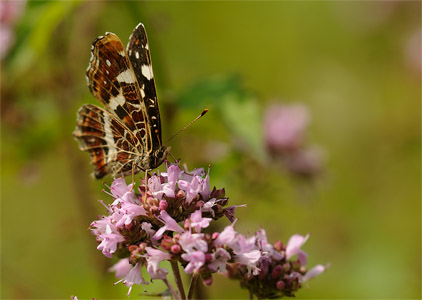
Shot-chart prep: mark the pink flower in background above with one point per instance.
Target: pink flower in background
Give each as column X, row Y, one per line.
column 285, row 130
column 307, row 161
column 285, row 126
column 413, row 52
column 10, row 12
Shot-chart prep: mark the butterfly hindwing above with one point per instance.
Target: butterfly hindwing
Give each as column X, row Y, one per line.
column 111, row 146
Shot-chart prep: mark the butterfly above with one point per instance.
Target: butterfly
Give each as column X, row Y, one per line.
column 124, row 137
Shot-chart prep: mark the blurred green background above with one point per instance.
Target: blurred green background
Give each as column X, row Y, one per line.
column 355, row 65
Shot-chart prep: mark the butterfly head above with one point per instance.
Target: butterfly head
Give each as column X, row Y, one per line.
column 159, row 156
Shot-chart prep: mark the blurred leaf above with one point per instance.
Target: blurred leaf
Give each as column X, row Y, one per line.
column 43, row 20
column 242, row 116
column 209, row 90
column 238, row 109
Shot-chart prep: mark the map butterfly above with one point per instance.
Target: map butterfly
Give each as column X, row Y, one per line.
column 124, row 137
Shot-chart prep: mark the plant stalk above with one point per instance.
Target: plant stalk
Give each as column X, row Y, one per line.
column 171, row 289
column 193, row 282
column 175, row 268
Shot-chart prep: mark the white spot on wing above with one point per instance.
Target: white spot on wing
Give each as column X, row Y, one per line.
column 108, row 62
column 146, row 46
column 112, row 152
column 118, row 100
column 147, row 72
column 126, row 76
column 137, row 54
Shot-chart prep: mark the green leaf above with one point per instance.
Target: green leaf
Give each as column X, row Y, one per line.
column 242, row 116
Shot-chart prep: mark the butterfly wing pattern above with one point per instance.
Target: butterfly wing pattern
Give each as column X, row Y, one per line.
column 126, row 135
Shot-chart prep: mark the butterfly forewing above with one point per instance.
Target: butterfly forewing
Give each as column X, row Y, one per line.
column 139, row 56
column 113, row 82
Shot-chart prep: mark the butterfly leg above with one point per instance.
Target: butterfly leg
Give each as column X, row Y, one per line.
column 133, row 177
column 146, row 184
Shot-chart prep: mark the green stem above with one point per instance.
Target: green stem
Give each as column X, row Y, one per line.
column 193, row 282
column 175, row 268
column 171, row 289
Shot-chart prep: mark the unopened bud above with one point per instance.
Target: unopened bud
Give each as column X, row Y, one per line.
column 215, row 235
column 175, row 249
column 278, row 245
column 132, row 248
column 180, row 194
column 207, row 281
column 280, row 285
column 163, row 205
column 142, row 246
column 276, row 272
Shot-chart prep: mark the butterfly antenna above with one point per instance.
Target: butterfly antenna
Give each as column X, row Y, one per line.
column 193, row 121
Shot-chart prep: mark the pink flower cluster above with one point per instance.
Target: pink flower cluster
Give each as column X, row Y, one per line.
column 168, row 221
column 285, row 129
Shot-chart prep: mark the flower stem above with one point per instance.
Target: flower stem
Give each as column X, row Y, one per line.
column 250, row 295
column 193, row 282
column 175, row 268
column 171, row 289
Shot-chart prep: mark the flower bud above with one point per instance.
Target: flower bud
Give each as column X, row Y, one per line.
column 167, row 242
column 207, row 281
column 163, row 205
column 142, row 246
column 276, row 272
column 215, row 235
column 264, row 266
column 280, row 285
column 278, row 245
column 180, row 194
column 132, row 248
column 175, row 249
